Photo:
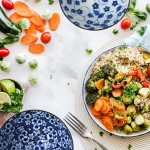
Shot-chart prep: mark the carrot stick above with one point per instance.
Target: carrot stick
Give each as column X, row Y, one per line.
column 15, row 18
column 54, row 21
column 36, row 19
column 31, row 29
column 29, row 39
column 22, row 9
column 100, row 83
column 36, row 48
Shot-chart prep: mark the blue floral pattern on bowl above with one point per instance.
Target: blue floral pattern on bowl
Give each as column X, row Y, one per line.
column 94, row 14
column 35, row 130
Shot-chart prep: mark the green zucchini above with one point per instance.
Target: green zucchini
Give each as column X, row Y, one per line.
column 6, row 26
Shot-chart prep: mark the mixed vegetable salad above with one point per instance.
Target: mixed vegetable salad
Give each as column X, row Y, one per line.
column 11, row 96
column 121, row 100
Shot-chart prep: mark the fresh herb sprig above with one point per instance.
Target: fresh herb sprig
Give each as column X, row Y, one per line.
column 141, row 31
column 50, row 2
column 88, row 51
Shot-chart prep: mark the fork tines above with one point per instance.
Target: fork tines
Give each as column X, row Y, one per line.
column 75, row 123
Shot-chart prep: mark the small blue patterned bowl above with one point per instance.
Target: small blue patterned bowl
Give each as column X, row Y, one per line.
column 35, row 130
column 94, row 14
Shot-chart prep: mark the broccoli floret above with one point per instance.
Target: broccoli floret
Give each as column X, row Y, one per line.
column 108, row 70
column 91, row 98
column 107, row 87
column 90, row 84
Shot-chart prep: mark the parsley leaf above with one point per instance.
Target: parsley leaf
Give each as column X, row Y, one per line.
column 89, row 51
column 141, row 31
column 95, row 148
column 101, row 133
column 129, row 147
column 50, row 2
column 115, row 31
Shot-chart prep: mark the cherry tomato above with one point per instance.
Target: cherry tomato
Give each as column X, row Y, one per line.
column 7, row 4
column 125, row 23
column 4, row 52
column 46, row 37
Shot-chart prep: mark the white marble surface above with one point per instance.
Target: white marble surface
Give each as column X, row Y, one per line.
column 64, row 59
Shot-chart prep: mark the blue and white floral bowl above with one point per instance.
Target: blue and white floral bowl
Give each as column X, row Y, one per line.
column 35, row 130
column 94, row 14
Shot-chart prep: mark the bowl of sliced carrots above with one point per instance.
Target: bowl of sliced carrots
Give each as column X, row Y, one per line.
column 116, row 90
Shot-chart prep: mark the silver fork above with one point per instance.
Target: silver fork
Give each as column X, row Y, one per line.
column 80, row 128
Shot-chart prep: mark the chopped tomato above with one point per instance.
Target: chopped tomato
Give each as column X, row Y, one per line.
column 146, row 83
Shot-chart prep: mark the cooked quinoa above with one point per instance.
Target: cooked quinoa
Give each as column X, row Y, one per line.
column 121, row 58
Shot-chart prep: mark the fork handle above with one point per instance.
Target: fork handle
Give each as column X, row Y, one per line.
column 101, row 146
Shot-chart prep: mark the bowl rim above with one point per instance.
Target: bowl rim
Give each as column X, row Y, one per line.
column 30, row 110
column 87, row 69
column 94, row 29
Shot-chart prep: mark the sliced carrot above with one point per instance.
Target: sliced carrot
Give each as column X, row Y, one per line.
column 104, row 107
column 94, row 112
column 31, row 29
column 15, row 18
column 54, row 21
column 120, row 114
column 98, row 105
column 99, row 84
column 110, row 114
column 109, row 125
column 29, row 39
column 36, row 19
column 44, row 21
column 119, row 106
column 118, row 122
column 105, row 98
column 106, row 110
column 117, row 92
column 119, row 76
column 40, row 28
column 36, row 48
column 22, row 9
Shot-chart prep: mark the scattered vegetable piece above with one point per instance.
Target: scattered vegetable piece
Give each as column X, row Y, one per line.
column 36, row 48
column 15, row 18
column 33, row 64
column 89, row 51
column 101, row 133
column 4, row 52
column 100, row 83
column 50, row 2
column 46, row 37
column 148, row 7
column 129, row 147
column 8, row 4
column 54, row 21
column 115, row 31
column 20, row 58
column 31, row 29
column 5, row 66
column 8, row 40
column 24, row 23
column 33, row 79
column 29, row 39
column 40, row 28
column 125, row 24
column 46, row 14
column 141, row 31
column 22, row 9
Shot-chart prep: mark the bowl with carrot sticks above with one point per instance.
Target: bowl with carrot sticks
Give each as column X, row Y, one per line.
column 116, row 90
column 94, row 15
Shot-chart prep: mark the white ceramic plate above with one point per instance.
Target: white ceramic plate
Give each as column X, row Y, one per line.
column 84, row 93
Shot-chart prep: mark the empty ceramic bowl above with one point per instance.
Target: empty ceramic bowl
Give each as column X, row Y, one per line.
column 94, row 14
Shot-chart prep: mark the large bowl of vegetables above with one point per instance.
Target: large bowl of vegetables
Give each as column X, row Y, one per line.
column 116, row 91
column 11, row 96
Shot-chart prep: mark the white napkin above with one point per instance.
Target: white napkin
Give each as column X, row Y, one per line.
column 137, row 39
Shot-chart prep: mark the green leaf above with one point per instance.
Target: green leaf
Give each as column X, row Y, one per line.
column 132, row 5
column 129, row 147
column 101, row 133
column 50, row 2
column 89, row 51
column 140, row 14
column 115, row 31
column 141, row 31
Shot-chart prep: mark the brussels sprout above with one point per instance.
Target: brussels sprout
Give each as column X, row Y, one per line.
column 129, row 119
column 131, row 110
column 139, row 85
column 127, row 129
column 146, row 124
column 33, row 79
column 46, row 14
column 135, row 127
column 33, row 64
column 24, row 23
column 139, row 119
column 144, row 92
column 126, row 100
column 148, row 7
column 20, row 58
column 5, row 66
